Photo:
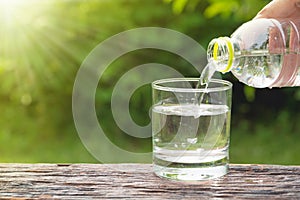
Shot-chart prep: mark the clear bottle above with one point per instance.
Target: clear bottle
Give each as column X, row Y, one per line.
column 260, row 53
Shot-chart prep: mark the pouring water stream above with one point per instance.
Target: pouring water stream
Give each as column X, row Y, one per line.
column 203, row 82
column 206, row 75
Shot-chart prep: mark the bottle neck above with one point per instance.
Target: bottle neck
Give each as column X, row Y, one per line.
column 221, row 52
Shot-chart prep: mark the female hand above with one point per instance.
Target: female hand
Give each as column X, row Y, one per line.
column 284, row 9
column 281, row 9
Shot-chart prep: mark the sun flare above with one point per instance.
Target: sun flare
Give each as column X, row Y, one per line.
column 11, row 2
column 34, row 42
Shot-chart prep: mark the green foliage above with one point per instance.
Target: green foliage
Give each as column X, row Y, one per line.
column 179, row 5
column 268, row 141
column 249, row 93
column 239, row 9
column 223, row 8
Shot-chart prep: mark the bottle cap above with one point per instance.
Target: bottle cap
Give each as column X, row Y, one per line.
column 220, row 51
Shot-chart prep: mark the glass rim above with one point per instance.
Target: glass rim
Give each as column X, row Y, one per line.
column 226, row 85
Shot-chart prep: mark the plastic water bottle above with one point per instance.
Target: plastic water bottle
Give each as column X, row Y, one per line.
column 260, row 53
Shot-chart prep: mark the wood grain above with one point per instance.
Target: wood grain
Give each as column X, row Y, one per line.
column 124, row 181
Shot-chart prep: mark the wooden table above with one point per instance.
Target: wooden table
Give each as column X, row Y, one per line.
column 124, row 181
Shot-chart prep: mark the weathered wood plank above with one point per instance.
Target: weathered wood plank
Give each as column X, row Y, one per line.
column 123, row 181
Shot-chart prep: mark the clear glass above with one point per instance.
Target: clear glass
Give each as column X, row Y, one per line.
column 190, row 140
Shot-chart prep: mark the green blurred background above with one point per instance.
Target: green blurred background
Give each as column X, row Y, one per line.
column 43, row 44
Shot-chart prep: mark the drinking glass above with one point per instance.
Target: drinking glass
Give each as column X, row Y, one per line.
column 191, row 128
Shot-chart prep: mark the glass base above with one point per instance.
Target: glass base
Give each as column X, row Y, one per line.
column 191, row 174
